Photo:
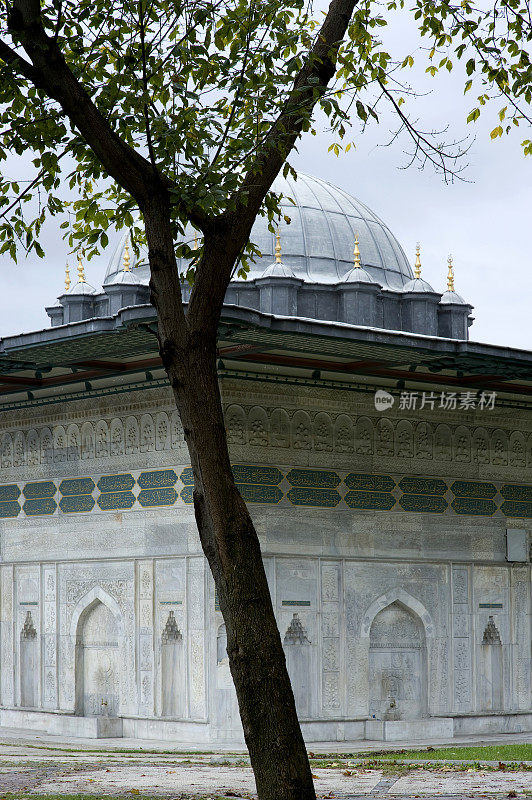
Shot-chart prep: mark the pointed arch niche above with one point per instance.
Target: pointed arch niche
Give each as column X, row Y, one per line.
column 395, row 637
column 172, row 669
column 226, row 714
column 97, row 627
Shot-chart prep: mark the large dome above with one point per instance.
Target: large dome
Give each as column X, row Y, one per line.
column 318, row 242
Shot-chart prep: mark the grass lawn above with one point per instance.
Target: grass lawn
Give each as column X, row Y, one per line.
column 496, row 752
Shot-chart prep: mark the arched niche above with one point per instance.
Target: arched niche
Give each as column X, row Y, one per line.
column 517, row 450
column 343, row 434
column 60, row 442
column 221, row 644
column 490, row 672
column 97, row 626
column 178, row 436
column 462, row 444
column 481, row 446
column 47, row 446
column 34, row 455
column 102, row 439
column 280, row 428
column 398, row 677
column 258, row 427
column 87, row 441
column 301, row 431
column 323, row 433
column 298, row 663
column 147, row 434
column 117, row 437
column 172, row 669
column 29, row 664
column 499, row 448
column 162, row 431
column 235, row 424
column 226, row 714
column 423, row 441
column 73, row 442
column 132, row 436
column 7, row 450
column 442, row 443
column 364, row 436
column 19, row 450
column 407, row 600
column 384, row 438
column 404, row 439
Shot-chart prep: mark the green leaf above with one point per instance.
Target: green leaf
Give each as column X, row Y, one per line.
column 473, row 115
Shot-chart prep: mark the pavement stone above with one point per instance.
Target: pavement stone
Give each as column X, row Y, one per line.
column 44, row 764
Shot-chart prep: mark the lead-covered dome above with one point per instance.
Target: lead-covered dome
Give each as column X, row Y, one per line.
column 317, row 245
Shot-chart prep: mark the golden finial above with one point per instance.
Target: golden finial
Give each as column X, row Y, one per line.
column 127, row 259
column 356, row 253
column 450, row 274
column 277, row 247
column 417, row 265
column 81, row 269
column 195, row 240
column 67, row 278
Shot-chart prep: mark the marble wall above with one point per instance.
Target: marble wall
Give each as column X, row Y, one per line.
column 384, row 547
column 362, row 639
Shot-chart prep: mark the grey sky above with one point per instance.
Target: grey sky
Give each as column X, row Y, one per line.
column 486, row 224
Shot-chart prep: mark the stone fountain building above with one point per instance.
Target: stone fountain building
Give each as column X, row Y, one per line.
column 387, row 463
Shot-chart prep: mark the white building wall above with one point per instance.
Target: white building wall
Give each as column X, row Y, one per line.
column 334, row 566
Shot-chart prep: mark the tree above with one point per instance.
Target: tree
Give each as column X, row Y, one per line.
column 186, row 110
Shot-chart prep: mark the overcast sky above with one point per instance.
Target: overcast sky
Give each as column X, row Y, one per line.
column 485, row 223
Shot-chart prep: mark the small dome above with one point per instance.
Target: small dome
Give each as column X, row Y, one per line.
column 278, row 270
column 418, row 285
column 452, row 297
column 81, row 288
column 359, row 275
column 124, row 278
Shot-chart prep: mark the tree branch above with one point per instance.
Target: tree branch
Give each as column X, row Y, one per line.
column 318, row 70
column 19, row 64
column 237, row 94
column 145, row 88
column 50, row 72
column 29, row 187
column 430, row 152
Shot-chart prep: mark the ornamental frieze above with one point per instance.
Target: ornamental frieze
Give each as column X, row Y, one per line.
column 259, row 427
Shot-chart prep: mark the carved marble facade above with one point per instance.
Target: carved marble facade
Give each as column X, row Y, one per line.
column 255, row 426
column 390, row 586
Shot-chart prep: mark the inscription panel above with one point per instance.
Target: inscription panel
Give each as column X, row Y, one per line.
column 463, row 689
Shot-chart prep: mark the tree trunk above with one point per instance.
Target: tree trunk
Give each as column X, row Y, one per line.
column 230, row 543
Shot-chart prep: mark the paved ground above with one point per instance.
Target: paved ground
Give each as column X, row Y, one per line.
column 41, row 764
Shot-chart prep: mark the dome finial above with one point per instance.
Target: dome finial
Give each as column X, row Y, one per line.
column 356, row 253
column 417, row 265
column 81, row 269
column 127, row 259
column 450, row 274
column 277, row 247
column 67, row 278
